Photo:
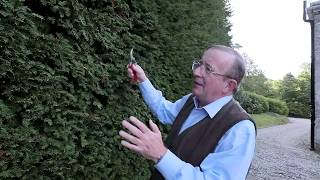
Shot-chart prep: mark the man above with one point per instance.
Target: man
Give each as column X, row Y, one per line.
column 211, row 137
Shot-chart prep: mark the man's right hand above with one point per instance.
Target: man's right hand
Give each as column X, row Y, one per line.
column 136, row 73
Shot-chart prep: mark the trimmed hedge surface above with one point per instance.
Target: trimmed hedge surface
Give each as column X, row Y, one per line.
column 64, row 89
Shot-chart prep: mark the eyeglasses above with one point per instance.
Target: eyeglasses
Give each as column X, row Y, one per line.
column 207, row 67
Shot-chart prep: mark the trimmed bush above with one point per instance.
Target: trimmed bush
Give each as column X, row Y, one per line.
column 255, row 104
column 252, row 103
column 297, row 109
column 278, row 106
column 64, row 88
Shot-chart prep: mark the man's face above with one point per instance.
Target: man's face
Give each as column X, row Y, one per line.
column 209, row 86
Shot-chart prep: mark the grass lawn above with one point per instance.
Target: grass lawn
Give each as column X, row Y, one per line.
column 269, row 119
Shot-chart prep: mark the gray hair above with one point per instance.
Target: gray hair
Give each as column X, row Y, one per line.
column 237, row 70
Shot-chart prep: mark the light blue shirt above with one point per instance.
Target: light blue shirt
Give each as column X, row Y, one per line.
column 231, row 158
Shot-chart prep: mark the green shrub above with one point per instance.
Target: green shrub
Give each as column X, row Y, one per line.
column 251, row 102
column 297, row 109
column 278, row 106
column 64, row 88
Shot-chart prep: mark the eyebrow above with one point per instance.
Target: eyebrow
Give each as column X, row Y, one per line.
column 207, row 64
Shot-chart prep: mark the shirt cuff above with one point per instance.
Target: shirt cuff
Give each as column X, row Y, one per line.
column 169, row 165
column 145, row 85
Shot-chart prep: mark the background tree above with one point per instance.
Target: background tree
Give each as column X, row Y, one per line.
column 258, row 94
column 255, row 80
column 297, row 92
column 304, row 83
column 289, row 88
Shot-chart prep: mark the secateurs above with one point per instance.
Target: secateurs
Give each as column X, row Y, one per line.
column 131, row 62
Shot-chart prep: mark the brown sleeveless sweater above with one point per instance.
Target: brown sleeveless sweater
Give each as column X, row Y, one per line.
column 197, row 141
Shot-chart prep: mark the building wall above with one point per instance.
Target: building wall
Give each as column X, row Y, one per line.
column 314, row 14
column 317, row 80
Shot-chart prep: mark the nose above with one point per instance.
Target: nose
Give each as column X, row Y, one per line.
column 197, row 72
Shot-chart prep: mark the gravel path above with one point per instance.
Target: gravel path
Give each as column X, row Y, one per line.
column 282, row 152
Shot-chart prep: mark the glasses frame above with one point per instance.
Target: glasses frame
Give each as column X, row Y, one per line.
column 209, row 69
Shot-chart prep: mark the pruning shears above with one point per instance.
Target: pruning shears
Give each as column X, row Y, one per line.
column 132, row 61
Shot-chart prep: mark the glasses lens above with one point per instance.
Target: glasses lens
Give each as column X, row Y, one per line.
column 195, row 64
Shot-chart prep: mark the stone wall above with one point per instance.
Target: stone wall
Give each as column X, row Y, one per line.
column 314, row 14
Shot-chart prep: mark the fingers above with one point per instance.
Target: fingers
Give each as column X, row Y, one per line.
column 136, row 72
column 133, row 72
column 148, row 144
column 132, row 129
column 134, row 67
column 130, row 72
column 139, row 124
column 130, row 146
column 154, row 127
column 129, row 137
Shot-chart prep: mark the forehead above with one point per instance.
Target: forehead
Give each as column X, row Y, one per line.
column 218, row 58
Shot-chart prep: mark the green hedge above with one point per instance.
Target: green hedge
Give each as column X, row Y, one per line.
column 255, row 104
column 64, row 87
column 278, row 106
column 252, row 103
column 297, row 109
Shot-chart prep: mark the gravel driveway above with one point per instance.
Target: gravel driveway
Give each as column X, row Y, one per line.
column 282, row 152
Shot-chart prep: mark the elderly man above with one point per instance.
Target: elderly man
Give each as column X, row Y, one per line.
column 211, row 137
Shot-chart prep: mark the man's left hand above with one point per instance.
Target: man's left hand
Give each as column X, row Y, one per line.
column 142, row 140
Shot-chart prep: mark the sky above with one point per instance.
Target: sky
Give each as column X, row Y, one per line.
column 273, row 34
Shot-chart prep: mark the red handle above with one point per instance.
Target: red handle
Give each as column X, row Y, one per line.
column 134, row 78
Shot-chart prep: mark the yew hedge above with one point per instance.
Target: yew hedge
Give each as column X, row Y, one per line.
column 63, row 83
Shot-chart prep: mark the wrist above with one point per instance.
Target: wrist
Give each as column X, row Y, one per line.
column 143, row 79
column 158, row 159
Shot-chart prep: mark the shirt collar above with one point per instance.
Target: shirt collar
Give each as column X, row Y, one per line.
column 213, row 108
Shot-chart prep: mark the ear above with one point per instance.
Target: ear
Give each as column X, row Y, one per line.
column 230, row 85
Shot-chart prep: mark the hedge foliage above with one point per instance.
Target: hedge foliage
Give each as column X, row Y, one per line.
column 64, row 88
column 252, row 103
column 278, row 106
column 298, row 109
column 255, row 104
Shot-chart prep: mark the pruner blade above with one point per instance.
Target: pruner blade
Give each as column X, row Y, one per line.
column 132, row 59
column 131, row 62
